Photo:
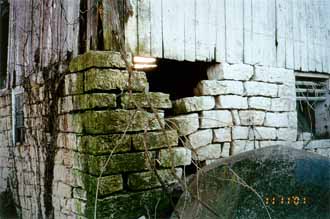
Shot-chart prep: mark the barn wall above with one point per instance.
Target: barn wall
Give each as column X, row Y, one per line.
column 290, row 34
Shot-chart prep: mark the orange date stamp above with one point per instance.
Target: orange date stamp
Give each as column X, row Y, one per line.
column 286, row 200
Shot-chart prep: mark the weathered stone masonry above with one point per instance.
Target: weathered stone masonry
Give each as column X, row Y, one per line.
column 239, row 108
column 101, row 127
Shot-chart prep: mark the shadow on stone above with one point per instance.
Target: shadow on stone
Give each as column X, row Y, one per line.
column 290, row 183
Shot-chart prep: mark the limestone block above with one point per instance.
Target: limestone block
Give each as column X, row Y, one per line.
column 193, row 104
column 184, row 124
column 148, row 180
column 87, row 101
column 211, row 87
column 296, row 144
column 277, row 120
column 181, row 157
column 240, row 132
column 133, row 204
column 79, row 193
column 199, row 138
column 240, row 146
column 235, row 116
column 252, row 117
column 104, row 144
column 288, row 91
column 77, row 206
column 283, row 104
column 254, row 88
column 67, row 140
column 293, row 120
column 100, row 59
column 208, row 152
column 221, row 135
column 263, row 133
column 102, row 122
column 118, row 163
column 216, row 119
column 305, row 136
column 268, row 143
column 239, row 72
column 273, row 75
column 231, row 102
column 323, row 151
column 70, row 123
column 107, row 184
column 287, row 134
column 110, row 79
column 155, row 140
column 155, row 100
column 225, row 150
column 73, row 84
column 63, row 190
column 262, row 103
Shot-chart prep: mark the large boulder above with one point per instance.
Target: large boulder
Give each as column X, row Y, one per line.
column 273, row 182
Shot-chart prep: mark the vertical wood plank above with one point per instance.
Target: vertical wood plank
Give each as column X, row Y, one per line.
column 173, row 29
column 220, row 31
column 281, row 13
column 248, row 32
column 303, row 35
column 156, row 32
column 296, row 34
column 202, row 30
column 318, row 45
column 190, row 30
column 234, row 31
column 131, row 30
column 144, row 25
column 212, row 34
column 289, row 51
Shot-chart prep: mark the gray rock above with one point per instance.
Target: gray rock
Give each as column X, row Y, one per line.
column 290, row 183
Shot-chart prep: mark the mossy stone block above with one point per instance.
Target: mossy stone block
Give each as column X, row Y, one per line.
column 116, row 121
column 104, row 144
column 100, row 59
column 155, row 140
column 111, row 79
column 118, row 163
column 91, row 101
column 179, row 156
column 73, row 84
column 148, row 180
column 107, row 184
column 146, row 100
column 133, row 205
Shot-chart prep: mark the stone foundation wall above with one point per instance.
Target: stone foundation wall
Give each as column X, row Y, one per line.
column 5, row 139
column 239, row 108
column 105, row 131
column 109, row 139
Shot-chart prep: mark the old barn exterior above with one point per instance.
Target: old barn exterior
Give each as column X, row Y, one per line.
column 87, row 130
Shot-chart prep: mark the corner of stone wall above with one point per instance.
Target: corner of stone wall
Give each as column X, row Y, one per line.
column 101, row 141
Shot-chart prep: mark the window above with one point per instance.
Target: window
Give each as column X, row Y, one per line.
column 4, row 24
column 19, row 119
column 313, row 99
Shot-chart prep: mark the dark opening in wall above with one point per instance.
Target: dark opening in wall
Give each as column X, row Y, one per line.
column 4, row 24
column 177, row 78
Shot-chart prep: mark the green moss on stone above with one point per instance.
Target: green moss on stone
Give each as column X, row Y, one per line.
column 91, row 101
column 104, row 144
column 110, row 79
column 148, row 180
column 155, row 140
column 101, row 59
column 133, row 205
column 102, row 122
column 157, row 100
column 118, row 163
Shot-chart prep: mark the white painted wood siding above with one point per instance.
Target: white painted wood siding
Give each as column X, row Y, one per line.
column 294, row 34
